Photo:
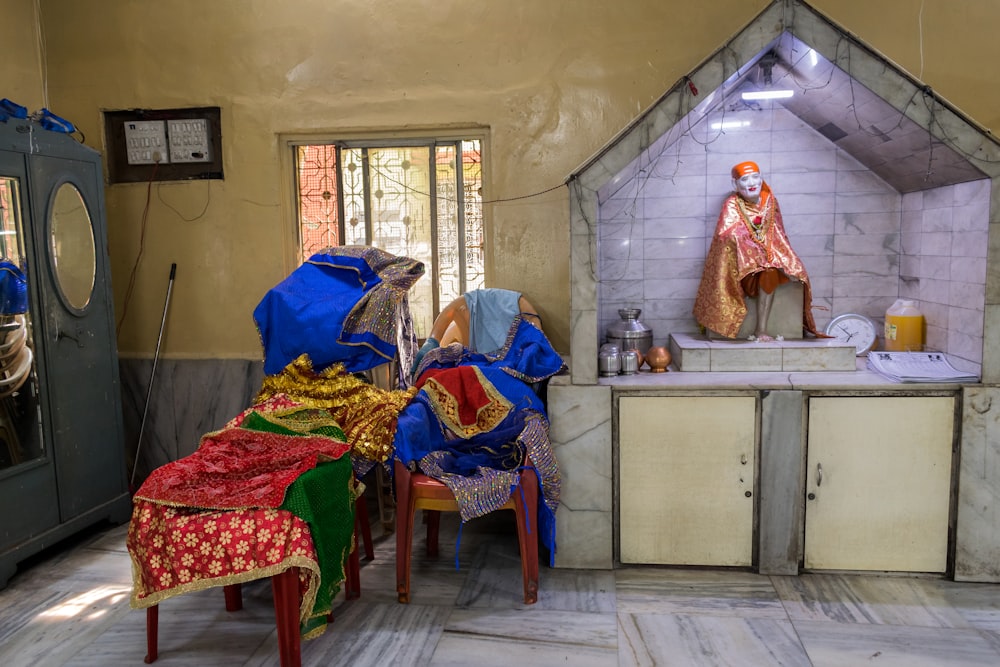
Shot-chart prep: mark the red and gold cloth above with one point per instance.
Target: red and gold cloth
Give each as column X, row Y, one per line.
column 367, row 414
column 748, row 238
column 177, row 550
column 237, row 468
column 245, row 506
column 465, row 401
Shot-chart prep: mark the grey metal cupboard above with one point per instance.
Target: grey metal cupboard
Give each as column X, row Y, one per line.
column 62, row 455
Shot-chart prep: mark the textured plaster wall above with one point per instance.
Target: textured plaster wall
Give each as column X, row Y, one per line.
column 21, row 75
column 553, row 81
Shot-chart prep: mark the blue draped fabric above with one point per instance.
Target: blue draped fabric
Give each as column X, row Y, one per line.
column 341, row 305
column 527, row 355
column 463, row 464
column 491, row 310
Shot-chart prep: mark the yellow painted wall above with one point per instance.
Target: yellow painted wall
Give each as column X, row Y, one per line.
column 554, row 80
column 21, row 74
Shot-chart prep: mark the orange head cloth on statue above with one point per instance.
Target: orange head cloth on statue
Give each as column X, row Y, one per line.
column 744, row 168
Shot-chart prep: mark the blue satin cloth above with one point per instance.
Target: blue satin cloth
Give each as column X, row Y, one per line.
column 491, row 310
column 341, row 305
column 13, row 289
column 422, row 440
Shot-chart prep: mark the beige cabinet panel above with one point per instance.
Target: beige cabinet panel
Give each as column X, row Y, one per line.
column 878, row 483
column 686, row 480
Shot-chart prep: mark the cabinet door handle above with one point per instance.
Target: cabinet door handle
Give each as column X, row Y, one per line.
column 819, row 474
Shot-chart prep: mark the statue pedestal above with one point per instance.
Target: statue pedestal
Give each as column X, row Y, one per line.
column 692, row 352
column 785, row 318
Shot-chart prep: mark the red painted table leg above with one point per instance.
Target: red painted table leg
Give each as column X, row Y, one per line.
column 234, row 596
column 152, row 618
column 286, row 614
column 352, row 575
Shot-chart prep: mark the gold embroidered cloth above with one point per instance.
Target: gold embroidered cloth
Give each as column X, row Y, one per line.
column 367, row 414
column 738, row 250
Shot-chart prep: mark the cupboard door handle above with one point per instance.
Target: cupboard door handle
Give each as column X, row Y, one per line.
column 819, row 474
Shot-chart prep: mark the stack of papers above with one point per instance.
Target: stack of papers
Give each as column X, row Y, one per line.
column 917, row 367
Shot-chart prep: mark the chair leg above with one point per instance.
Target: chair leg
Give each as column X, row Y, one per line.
column 234, row 596
column 286, row 614
column 433, row 520
column 352, row 574
column 404, row 531
column 363, row 526
column 152, row 632
column 386, row 504
column 526, row 510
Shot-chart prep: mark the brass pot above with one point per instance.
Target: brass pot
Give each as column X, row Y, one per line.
column 658, row 358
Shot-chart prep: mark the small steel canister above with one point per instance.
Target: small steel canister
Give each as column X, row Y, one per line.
column 608, row 360
column 629, row 362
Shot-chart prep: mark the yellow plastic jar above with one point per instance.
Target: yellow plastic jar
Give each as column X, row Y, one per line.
column 904, row 327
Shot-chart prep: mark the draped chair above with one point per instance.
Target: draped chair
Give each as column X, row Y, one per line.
column 416, row 490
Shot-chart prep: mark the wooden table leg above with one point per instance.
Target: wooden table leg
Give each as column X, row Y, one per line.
column 234, row 596
column 286, row 615
column 152, row 630
column 352, row 575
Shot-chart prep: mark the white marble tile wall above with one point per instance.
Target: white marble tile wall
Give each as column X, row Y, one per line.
column 863, row 244
column 943, row 264
column 977, row 526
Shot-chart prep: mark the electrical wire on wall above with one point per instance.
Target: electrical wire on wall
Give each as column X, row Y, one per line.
column 142, row 245
column 208, row 201
column 43, row 61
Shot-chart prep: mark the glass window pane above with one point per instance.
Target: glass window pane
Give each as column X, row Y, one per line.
column 410, row 199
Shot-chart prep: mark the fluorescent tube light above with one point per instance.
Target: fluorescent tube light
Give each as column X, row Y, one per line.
column 768, row 95
column 730, row 124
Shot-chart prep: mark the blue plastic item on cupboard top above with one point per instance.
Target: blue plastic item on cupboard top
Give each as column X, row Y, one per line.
column 10, row 109
column 50, row 121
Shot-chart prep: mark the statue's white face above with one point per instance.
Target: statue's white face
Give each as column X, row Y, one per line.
column 748, row 186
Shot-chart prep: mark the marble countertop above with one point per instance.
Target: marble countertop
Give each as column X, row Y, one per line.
column 860, row 378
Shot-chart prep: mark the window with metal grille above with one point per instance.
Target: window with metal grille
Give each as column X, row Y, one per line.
column 415, row 198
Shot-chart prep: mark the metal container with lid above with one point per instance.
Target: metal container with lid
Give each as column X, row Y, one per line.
column 629, row 361
column 608, row 360
column 630, row 333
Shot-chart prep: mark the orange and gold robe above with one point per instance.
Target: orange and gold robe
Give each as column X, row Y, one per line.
column 748, row 239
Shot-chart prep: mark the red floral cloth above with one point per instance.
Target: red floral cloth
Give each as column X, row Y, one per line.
column 213, row 518
column 176, row 550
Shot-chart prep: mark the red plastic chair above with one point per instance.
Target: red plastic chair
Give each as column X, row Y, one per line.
column 415, row 490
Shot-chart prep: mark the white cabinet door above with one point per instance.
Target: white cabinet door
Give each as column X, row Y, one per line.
column 878, row 483
column 686, row 480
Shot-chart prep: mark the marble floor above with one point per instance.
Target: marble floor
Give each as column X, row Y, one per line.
column 69, row 606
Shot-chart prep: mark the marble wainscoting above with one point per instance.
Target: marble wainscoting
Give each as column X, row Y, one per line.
column 581, row 435
column 189, row 398
column 977, row 535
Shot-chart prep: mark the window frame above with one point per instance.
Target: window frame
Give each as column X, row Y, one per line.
column 352, row 139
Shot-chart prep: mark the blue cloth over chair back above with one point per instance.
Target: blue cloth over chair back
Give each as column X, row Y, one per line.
column 340, row 306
